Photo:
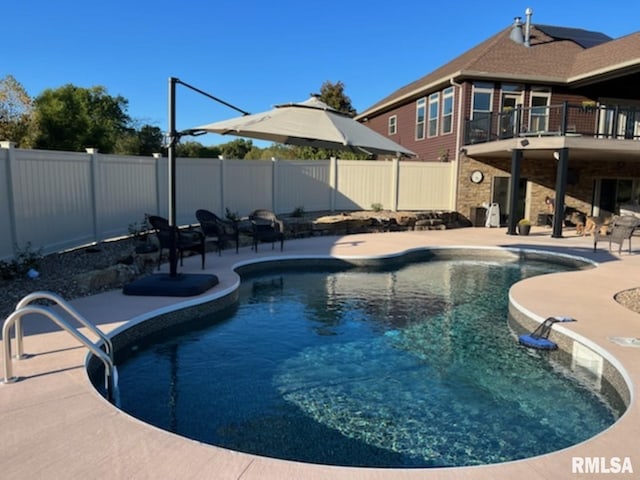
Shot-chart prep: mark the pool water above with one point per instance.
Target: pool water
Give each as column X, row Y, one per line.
column 404, row 368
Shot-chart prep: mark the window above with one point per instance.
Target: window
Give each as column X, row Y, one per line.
column 619, row 118
column 393, row 125
column 482, row 100
column 421, row 106
column 480, row 125
column 509, row 118
column 447, row 110
column 539, row 120
column 434, row 110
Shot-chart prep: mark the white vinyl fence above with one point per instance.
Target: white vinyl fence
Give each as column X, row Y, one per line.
column 61, row 200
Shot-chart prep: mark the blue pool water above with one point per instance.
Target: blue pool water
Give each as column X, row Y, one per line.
column 404, row 368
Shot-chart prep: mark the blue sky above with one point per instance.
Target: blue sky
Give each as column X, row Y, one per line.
column 257, row 53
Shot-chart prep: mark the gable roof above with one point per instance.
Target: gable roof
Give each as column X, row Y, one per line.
column 556, row 55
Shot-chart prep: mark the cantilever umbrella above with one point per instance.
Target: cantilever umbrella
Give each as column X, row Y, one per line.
column 310, row 123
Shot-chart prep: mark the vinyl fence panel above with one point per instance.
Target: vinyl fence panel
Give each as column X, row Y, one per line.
column 423, row 184
column 248, row 185
column 302, row 184
column 363, row 183
column 60, row 200
column 53, row 205
column 197, row 186
column 126, row 190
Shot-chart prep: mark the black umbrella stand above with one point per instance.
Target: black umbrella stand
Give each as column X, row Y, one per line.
column 174, row 284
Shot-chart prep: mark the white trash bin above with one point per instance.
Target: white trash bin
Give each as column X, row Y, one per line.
column 493, row 215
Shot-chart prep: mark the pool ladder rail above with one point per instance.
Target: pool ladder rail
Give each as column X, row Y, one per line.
column 26, row 307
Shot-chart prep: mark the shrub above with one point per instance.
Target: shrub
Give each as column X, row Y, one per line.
column 139, row 230
column 233, row 216
column 25, row 259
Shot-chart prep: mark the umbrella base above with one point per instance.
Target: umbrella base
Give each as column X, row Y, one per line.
column 164, row 285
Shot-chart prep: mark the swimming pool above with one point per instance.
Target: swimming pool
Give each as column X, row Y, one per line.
column 406, row 367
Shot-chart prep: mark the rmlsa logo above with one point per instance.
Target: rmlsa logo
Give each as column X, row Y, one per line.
column 601, row 465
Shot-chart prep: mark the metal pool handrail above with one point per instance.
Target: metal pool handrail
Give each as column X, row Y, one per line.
column 23, row 308
column 58, row 300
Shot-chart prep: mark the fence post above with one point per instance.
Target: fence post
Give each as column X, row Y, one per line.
column 395, row 180
column 274, row 184
column 157, row 157
column 11, row 148
column 333, row 182
column 93, row 172
column 223, row 173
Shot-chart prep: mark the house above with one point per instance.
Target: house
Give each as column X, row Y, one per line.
column 535, row 111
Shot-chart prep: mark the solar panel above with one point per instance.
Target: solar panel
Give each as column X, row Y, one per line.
column 584, row 38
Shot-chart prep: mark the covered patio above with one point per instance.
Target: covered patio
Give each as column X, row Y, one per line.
column 567, row 155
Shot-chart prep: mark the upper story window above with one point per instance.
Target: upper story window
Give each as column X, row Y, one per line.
column 393, row 125
column 447, row 110
column 539, row 117
column 482, row 101
column 434, row 110
column 512, row 96
column 421, row 107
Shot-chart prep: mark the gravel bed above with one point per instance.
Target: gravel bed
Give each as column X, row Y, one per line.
column 57, row 273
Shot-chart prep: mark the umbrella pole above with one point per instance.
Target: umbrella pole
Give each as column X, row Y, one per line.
column 171, row 154
column 174, row 137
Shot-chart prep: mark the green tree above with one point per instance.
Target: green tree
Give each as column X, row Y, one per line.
column 191, row 149
column 333, row 95
column 275, row 150
column 150, row 140
column 74, row 118
column 16, row 109
column 237, row 148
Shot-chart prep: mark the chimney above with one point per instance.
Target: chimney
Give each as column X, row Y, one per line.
column 516, row 31
column 527, row 27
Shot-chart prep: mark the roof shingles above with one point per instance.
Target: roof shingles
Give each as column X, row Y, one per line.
column 547, row 59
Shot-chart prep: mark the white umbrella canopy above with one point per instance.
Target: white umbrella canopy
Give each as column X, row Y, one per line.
column 311, row 123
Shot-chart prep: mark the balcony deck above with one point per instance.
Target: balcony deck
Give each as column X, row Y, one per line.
column 586, row 130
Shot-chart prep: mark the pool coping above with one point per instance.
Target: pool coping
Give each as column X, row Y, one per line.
column 197, row 460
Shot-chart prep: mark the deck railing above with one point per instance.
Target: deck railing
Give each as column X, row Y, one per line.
column 598, row 121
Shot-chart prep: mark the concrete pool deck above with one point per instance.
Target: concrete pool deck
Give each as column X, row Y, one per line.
column 55, row 425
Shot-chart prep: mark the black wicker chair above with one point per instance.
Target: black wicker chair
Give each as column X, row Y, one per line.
column 266, row 227
column 218, row 231
column 186, row 241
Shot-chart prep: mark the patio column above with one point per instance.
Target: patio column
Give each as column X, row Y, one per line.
column 561, row 189
column 516, row 160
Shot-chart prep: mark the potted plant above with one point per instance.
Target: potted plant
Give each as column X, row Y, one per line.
column 588, row 105
column 524, row 227
column 140, row 232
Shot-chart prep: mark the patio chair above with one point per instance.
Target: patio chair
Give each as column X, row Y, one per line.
column 216, row 230
column 620, row 229
column 192, row 241
column 266, row 227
